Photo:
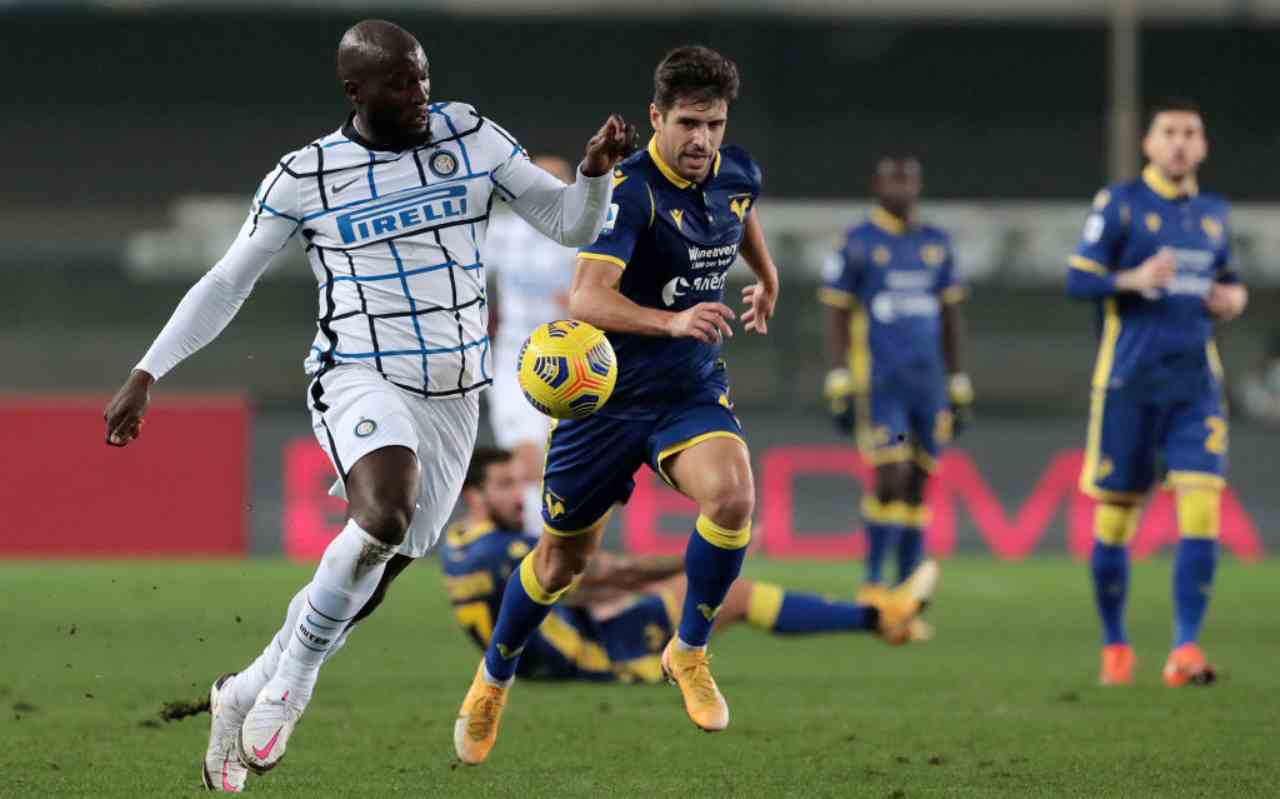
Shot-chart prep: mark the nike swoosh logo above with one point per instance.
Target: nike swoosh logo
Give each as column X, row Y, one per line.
column 337, row 189
column 226, row 786
column 261, row 754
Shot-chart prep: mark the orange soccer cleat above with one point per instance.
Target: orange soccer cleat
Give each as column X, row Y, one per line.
column 476, row 730
column 690, row 671
column 1187, row 666
column 1118, row 661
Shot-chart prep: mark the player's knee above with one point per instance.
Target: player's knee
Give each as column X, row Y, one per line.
column 1115, row 524
column 559, row 566
column 893, row 482
column 386, row 520
column 730, row 504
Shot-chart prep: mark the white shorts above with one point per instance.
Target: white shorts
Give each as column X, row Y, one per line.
column 354, row 411
column 513, row 419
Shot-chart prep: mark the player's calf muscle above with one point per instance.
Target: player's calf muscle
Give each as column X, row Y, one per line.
column 558, row 561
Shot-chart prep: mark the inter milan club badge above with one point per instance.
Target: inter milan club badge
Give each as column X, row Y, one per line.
column 443, row 164
column 365, row 428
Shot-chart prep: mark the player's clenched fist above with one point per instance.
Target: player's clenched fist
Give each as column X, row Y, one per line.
column 125, row 411
column 611, row 144
column 708, row 322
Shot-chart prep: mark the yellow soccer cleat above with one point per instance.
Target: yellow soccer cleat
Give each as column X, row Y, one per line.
column 1187, row 666
column 870, row 594
column 691, row 672
column 1118, row 661
column 900, row 607
column 476, row 730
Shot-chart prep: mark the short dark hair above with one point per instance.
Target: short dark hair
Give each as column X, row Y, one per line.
column 695, row 74
column 481, row 460
column 1172, row 104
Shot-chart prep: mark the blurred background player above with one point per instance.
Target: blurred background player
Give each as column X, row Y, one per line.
column 1156, row 258
column 623, row 609
column 396, row 418
column 531, row 276
column 896, row 336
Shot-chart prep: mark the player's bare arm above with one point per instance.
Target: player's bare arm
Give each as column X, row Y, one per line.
column 594, row 298
column 761, row 296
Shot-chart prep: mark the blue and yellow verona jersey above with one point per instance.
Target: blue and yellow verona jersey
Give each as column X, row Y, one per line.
column 894, row 277
column 1165, row 337
column 569, row 644
column 674, row 241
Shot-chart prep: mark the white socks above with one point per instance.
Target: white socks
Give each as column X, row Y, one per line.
column 348, row 573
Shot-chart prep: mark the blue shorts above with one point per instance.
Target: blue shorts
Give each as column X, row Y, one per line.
column 905, row 423
column 1132, row 435
column 570, row 645
column 591, row 462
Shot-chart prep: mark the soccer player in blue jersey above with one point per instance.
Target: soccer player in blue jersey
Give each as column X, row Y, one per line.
column 1156, row 259
column 683, row 209
column 622, row 610
column 896, row 337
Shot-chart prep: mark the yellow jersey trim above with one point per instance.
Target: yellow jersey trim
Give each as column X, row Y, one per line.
column 667, row 172
column 1215, row 360
column 722, row 537
column 529, row 581
column 836, row 298
column 1167, row 188
column 584, row 654
column 898, row 453
column 764, row 603
column 1182, row 479
column 677, row 448
column 1087, row 265
column 460, row 535
column 1097, row 409
column 608, row 259
column 889, row 223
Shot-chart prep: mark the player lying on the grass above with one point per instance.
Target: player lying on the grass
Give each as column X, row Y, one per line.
column 622, row 610
column 654, row 281
column 896, row 338
column 392, row 208
column 1156, row 258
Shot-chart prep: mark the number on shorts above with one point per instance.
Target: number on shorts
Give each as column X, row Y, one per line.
column 477, row 619
column 1216, row 441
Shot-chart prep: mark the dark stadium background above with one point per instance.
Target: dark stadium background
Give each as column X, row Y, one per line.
column 111, row 117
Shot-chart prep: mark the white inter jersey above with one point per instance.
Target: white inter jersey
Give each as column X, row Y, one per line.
column 394, row 239
column 532, row 275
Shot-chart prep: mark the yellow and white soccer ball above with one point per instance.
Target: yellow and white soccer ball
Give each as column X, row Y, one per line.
column 567, row 369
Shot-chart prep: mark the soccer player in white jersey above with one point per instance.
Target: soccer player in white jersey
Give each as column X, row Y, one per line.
column 392, row 210
column 532, row 276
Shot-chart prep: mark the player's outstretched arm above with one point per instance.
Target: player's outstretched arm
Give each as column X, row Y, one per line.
column 203, row 313
column 760, row 297
column 571, row 214
column 629, row 572
column 594, row 298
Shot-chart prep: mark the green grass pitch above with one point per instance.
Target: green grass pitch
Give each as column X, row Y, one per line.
column 1002, row 703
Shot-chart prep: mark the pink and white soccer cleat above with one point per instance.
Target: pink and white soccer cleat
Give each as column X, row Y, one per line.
column 222, row 770
column 264, row 736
